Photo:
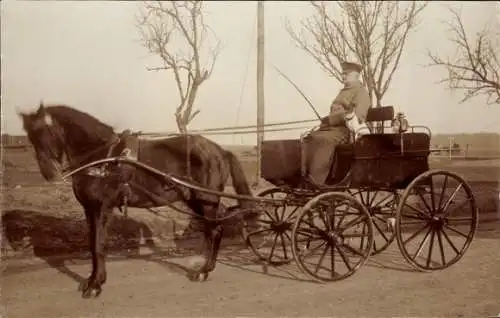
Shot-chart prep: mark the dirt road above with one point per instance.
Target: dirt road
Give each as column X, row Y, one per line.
column 153, row 286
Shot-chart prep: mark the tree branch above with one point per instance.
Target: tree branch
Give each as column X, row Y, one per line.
column 475, row 68
column 373, row 32
column 167, row 28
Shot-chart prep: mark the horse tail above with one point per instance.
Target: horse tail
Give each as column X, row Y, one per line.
column 239, row 180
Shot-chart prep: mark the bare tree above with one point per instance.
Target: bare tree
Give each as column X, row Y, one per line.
column 475, row 68
column 177, row 33
column 371, row 32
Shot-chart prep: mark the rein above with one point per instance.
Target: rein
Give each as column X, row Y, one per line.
column 112, row 143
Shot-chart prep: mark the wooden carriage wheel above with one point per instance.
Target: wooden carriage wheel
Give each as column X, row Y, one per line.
column 436, row 220
column 382, row 205
column 326, row 243
column 270, row 239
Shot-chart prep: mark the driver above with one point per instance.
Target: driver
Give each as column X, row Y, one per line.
column 352, row 101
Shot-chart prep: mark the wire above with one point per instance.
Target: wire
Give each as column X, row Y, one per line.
column 250, row 50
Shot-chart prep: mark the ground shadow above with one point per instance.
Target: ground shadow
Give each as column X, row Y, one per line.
column 58, row 240
column 243, row 259
column 62, row 240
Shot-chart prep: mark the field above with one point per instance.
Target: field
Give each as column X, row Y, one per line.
column 49, row 218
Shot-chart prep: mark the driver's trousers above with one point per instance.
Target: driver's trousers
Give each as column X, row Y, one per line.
column 320, row 150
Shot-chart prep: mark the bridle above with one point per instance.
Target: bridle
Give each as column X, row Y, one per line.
column 111, row 144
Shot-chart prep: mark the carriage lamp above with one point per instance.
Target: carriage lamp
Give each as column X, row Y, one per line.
column 399, row 123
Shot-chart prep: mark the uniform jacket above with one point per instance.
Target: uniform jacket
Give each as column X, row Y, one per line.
column 352, row 98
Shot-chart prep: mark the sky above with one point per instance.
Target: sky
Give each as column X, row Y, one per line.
column 87, row 54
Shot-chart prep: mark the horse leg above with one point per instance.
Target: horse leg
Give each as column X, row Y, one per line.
column 216, row 232
column 212, row 236
column 97, row 219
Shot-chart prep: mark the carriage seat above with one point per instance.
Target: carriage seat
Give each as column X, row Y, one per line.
column 375, row 115
column 380, row 114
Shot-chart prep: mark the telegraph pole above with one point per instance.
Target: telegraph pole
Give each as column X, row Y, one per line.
column 260, row 84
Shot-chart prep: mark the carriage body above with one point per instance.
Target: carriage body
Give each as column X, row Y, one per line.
column 379, row 160
column 374, row 160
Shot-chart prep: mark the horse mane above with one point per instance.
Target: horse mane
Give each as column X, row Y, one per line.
column 81, row 123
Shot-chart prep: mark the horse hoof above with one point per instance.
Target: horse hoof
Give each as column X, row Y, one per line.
column 203, row 277
column 88, row 286
column 195, row 276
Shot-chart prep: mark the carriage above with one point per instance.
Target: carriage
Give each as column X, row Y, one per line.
column 380, row 188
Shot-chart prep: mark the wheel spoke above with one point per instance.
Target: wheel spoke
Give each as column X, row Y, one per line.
column 420, row 213
column 305, row 232
column 380, row 231
column 425, row 202
column 272, row 248
column 269, row 215
column 259, row 231
column 356, row 221
column 342, row 217
column 431, row 245
column 267, row 222
column 322, row 258
column 314, row 249
column 443, row 189
column 331, row 219
column 313, row 226
column 363, row 237
column 383, row 199
column 450, row 242
column 441, row 248
column 291, row 214
column 352, row 250
column 414, row 235
column 276, row 214
column 433, row 203
column 332, row 259
column 455, row 230
column 411, row 222
column 421, row 246
column 322, row 215
column 282, row 238
column 372, row 199
column 455, row 208
column 450, row 199
column 344, row 258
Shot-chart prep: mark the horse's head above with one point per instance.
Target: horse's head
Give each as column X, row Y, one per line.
column 45, row 135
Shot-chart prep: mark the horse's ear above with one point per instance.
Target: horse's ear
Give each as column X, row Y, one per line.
column 41, row 108
column 20, row 113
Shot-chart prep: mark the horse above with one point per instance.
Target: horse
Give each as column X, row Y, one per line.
column 60, row 131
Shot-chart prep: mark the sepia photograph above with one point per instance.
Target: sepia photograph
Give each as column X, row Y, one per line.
column 250, row 159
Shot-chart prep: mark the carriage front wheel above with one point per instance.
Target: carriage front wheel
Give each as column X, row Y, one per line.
column 436, row 220
column 270, row 237
column 332, row 237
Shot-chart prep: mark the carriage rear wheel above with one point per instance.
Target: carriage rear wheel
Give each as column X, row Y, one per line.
column 328, row 241
column 270, row 237
column 381, row 204
column 436, row 220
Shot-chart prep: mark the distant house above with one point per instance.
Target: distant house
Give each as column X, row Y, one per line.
column 14, row 141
